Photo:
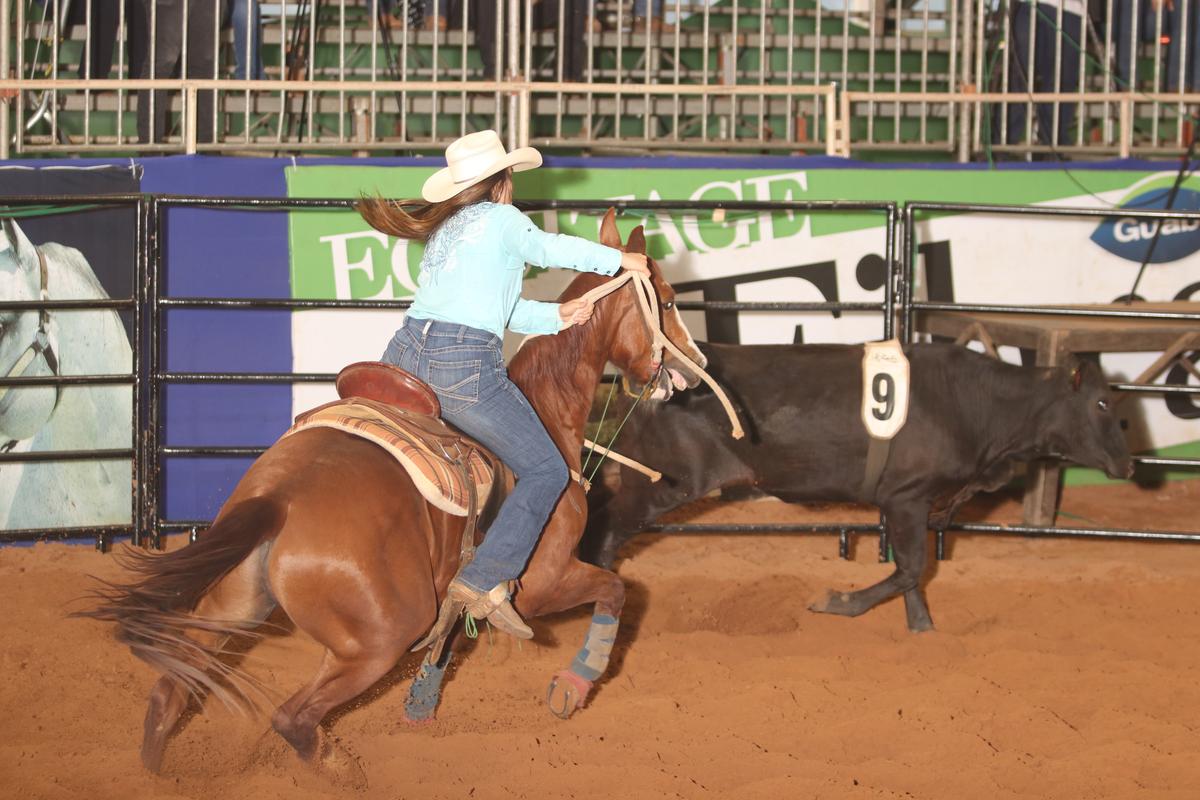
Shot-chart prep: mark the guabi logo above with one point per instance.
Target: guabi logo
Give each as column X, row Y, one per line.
column 1130, row 238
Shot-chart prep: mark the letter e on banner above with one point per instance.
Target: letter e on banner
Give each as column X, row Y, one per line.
column 885, row 388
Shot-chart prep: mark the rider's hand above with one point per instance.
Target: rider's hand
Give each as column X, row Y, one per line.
column 635, row 262
column 575, row 312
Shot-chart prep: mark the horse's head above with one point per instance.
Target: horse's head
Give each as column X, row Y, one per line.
column 633, row 350
column 23, row 410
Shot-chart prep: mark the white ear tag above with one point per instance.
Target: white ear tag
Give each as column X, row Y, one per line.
column 885, row 388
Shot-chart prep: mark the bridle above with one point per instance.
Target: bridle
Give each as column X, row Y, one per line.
column 648, row 304
column 41, row 347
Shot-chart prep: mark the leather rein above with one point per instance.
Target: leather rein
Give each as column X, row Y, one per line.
column 648, row 303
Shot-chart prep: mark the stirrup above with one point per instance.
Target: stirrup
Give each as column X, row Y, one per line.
column 449, row 613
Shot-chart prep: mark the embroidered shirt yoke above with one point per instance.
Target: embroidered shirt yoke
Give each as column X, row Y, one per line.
column 474, row 263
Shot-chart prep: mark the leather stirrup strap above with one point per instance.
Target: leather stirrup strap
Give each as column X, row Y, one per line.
column 451, row 610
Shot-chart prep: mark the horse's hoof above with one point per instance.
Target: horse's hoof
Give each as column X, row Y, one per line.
column 340, row 766
column 920, row 626
column 567, row 693
column 420, row 708
column 419, row 722
column 423, row 696
column 269, row 750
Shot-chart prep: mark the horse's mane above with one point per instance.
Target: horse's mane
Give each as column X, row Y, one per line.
column 554, row 357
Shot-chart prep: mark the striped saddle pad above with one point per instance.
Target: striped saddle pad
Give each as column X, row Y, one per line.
column 425, row 446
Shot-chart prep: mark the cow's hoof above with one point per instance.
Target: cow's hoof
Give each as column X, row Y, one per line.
column 152, row 757
column 567, row 693
column 836, row 603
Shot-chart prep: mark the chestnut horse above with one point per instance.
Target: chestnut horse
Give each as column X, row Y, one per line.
column 330, row 528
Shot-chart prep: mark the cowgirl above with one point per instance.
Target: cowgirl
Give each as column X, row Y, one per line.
column 469, row 291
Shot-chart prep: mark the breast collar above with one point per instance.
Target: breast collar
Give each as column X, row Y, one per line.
column 40, row 347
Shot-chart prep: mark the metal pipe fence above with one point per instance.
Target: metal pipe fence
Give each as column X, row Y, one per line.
column 150, row 375
column 910, row 305
column 156, row 451
column 962, row 79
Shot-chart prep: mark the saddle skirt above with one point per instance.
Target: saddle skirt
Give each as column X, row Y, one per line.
column 425, row 446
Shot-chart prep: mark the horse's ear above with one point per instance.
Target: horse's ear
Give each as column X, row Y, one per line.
column 1077, row 377
column 7, row 225
column 637, row 241
column 20, row 244
column 609, row 235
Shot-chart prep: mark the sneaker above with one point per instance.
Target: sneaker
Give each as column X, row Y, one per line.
column 494, row 606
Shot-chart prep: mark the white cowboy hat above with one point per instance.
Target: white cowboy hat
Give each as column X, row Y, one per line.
column 471, row 159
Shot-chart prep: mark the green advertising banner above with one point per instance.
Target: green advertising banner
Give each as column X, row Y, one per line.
column 336, row 255
column 794, row 255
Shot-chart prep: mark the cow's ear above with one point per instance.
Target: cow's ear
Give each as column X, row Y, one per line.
column 637, row 241
column 1077, row 377
column 609, row 235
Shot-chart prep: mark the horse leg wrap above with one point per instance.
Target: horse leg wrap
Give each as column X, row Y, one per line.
column 592, row 660
column 425, row 692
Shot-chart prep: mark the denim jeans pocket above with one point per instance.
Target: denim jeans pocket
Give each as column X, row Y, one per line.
column 394, row 353
column 456, row 383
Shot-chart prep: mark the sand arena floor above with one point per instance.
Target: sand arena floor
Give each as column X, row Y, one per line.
column 1060, row 669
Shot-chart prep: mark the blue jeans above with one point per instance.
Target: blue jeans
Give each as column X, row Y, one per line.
column 639, row 8
column 1128, row 72
column 1042, row 79
column 245, row 17
column 465, row 367
column 1190, row 66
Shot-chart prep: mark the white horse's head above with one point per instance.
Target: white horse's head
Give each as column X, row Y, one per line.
column 23, row 338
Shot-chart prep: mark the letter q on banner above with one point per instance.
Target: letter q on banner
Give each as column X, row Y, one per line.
column 885, row 388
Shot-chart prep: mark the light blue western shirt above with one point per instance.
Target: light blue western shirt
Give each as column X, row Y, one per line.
column 474, row 263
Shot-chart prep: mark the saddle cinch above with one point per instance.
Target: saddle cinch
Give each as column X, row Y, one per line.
column 400, row 413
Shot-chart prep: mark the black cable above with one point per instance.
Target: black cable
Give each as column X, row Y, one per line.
column 1185, row 165
column 1060, row 158
column 1179, row 176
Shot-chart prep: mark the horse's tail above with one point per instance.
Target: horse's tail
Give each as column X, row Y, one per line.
column 154, row 615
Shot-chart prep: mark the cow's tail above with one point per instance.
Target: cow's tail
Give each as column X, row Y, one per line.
column 153, row 613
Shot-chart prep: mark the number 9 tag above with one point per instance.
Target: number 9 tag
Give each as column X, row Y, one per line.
column 885, row 388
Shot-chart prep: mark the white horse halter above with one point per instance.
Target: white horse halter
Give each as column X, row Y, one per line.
column 27, row 364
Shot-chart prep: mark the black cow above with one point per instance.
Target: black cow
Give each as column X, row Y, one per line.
column 970, row 419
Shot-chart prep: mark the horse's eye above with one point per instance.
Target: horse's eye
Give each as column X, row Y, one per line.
column 669, row 305
column 1102, row 405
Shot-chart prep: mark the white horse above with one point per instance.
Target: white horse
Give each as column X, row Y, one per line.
column 54, row 494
